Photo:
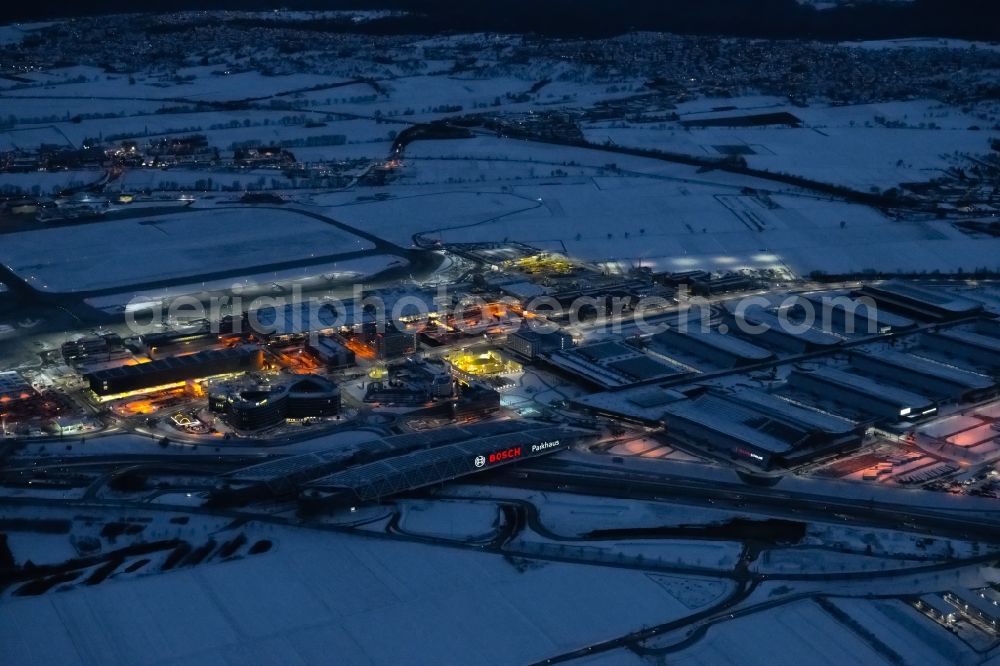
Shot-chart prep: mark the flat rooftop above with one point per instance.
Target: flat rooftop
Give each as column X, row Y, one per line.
column 645, row 403
column 604, row 350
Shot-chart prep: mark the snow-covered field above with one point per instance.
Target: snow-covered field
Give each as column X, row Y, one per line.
column 811, row 635
column 312, row 276
column 123, row 252
column 449, row 520
column 666, row 216
column 859, row 146
column 320, row 596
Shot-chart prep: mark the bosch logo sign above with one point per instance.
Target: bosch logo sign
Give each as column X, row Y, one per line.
column 499, row 456
column 513, row 453
column 507, row 454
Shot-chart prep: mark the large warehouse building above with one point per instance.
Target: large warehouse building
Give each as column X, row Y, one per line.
column 924, row 304
column 982, row 350
column 612, row 364
column 938, row 380
column 173, row 370
column 863, row 394
column 757, row 428
column 851, row 316
column 718, row 349
column 779, row 333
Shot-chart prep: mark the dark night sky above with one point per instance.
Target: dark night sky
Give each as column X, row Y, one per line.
column 976, row 19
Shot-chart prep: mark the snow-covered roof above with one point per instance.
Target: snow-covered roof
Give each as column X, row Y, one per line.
column 978, row 340
column 725, row 343
column 612, row 364
column 782, row 326
column 735, row 421
column 646, row 403
column 868, row 387
column 931, row 368
column 937, row 298
column 862, row 311
column 800, row 414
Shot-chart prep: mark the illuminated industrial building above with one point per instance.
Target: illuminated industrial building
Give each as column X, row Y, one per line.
column 174, row 370
column 289, row 474
column 13, row 388
column 469, row 366
column 545, row 263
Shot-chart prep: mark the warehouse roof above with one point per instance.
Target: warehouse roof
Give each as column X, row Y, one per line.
column 173, row 362
column 783, row 326
column 869, row 387
column 986, row 342
column 800, row 414
column 938, row 298
column 729, row 344
column 733, row 420
column 931, row 368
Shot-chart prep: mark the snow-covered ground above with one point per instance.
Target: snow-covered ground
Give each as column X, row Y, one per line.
column 123, row 252
column 319, row 595
column 661, row 215
column 279, row 282
column 449, row 520
column 859, row 146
